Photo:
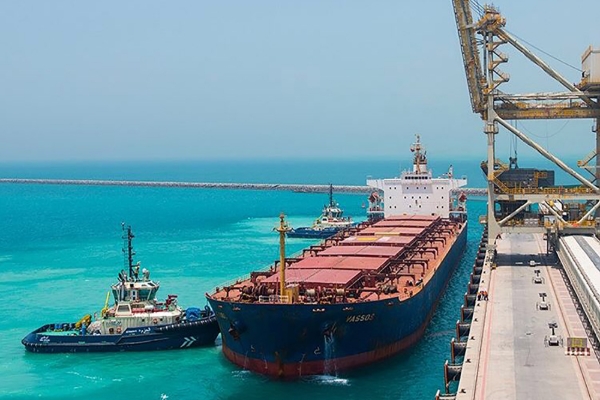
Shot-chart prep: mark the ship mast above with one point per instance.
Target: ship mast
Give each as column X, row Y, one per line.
column 282, row 229
column 331, row 195
column 419, row 157
column 128, row 248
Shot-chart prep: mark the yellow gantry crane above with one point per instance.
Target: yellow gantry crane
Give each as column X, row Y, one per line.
column 484, row 79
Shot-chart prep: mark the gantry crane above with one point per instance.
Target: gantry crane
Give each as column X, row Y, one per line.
column 496, row 107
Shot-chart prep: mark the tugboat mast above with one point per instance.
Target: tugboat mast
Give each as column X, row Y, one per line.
column 128, row 248
column 331, row 195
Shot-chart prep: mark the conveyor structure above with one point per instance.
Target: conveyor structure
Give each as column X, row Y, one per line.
column 580, row 257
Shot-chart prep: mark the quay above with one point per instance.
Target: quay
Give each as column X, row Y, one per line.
column 529, row 325
column 212, row 185
column 535, row 335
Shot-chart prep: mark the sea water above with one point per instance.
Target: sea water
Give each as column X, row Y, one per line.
column 61, row 249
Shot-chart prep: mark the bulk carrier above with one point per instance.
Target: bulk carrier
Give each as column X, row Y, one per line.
column 358, row 297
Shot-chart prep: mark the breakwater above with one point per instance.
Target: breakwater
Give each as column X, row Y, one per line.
column 213, row 185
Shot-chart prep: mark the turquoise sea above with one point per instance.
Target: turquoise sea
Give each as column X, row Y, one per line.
column 60, row 250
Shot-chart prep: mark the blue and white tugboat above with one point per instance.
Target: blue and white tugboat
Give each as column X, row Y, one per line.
column 136, row 321
column 330, row 222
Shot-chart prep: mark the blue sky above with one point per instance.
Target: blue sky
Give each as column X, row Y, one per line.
column 148, row 79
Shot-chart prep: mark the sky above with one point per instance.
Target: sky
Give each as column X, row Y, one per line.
column 197, row 80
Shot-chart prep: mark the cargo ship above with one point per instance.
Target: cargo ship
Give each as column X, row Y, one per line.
column 357, row 297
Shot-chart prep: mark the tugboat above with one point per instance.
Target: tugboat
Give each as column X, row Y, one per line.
column 330, row 222
column 136, row 321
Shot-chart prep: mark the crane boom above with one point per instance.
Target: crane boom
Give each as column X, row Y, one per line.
column 470, row 53
column 539, row 62
column 496, row 107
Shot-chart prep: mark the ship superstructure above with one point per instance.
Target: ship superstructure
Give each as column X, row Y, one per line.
column 416, row 191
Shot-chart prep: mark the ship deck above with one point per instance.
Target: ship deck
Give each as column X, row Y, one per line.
column 508, row 355
column 393, row 258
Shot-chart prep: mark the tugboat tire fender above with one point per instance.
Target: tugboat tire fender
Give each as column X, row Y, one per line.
column 183, row 325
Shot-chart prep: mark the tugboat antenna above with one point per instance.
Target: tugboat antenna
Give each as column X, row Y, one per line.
column 128, row 248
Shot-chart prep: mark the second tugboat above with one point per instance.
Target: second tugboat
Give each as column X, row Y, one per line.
column 136, row 321
column 330, row 222
column 360, row 296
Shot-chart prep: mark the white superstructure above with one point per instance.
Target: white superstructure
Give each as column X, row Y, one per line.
column 416, row 192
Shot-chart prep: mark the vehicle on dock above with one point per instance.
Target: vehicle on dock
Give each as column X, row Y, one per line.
column 136, row 321
column 330, row 222
column 362, row 295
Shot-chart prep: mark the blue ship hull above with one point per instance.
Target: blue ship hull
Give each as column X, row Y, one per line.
column 292, row 340
column 157, row 337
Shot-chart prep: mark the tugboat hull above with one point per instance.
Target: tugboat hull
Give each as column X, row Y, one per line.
column 136, row 321
column 311, row 233
column 160, row 337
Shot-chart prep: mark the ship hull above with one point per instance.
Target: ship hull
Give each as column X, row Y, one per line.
column 292, row 340
column 158, row 337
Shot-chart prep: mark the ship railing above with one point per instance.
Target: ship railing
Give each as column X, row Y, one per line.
column 549, row 223
column 547, row 191
column 237, row 281
column 274, row 299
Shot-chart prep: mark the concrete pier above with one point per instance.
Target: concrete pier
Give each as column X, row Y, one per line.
column 196, row 185
column 511, row 350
